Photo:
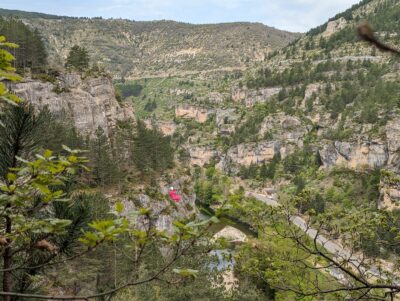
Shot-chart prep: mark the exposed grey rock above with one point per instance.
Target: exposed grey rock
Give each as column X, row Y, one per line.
column 252, row 153
column 252, row 97
column 334, row 26
column 284, row 128
column 168, row 128
column 162, row 209
column 202, row 155
column 389, row 190
column 90, row 102
column 217, row 97
column 369, row 154
column 393, row 141
column 226, row 120
column 201, row 115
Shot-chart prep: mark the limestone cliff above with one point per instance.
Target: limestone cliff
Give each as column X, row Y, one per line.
column 252, row 97
column 89, row 102
column 168, row 128
column 249, row 153
column 334, row 26
column 287, row 129
column 367, row 154
column 200, row 115
column 202, row 155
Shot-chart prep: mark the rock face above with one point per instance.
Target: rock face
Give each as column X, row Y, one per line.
column 217, row 97
column 252, row 153
column 287, row 129
column 202, row 155
column 389, row 190
column 252, row 97
column 390, row 178
column 334, row 26
column 393, row 141
column 179, row 92
column 355, row 155
column 380, row 153
column 225, row 120
column 165, row 213
column 191, row 112
column 90, row 103
column 168, row 128
column 232, row 235
column 311, row 90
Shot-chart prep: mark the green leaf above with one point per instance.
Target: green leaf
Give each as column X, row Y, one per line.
column 178, row 224
column 11, row 177
column 214, row 219
column 186, row 272
column 47, row 153
column 144, row 211
column 66, row 148
column 119, row 207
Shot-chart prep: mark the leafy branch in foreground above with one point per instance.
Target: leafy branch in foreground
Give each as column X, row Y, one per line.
column 326, row 250
column 7, row 71
column 30, row 229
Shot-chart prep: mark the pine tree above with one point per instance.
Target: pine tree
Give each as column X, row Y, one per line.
column 21, row 134
column 78, row 58
column 104, row 171
column 31, row 52
column 152, row 151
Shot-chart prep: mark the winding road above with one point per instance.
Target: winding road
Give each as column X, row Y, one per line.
column 329, row 245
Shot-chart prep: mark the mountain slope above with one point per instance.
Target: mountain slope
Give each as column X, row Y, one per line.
column 160, row 48
column 327, row 100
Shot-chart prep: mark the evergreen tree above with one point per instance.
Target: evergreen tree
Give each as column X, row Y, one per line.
column 20, row 135
column 31, row 52
column 152, row 151
column 104, row 171
column 78, row 58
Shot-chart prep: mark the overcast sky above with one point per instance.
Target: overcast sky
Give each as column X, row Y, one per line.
column 293, row 15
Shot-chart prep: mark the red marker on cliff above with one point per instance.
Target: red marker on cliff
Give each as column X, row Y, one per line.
column 174, row 195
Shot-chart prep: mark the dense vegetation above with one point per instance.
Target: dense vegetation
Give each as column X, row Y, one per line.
column 152, row 151
column 78, row 57
column 31, row 52
column 109, row 216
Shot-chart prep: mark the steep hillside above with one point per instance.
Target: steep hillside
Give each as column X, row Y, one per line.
column 312, row 128
column 326, row 101
column 144, row 49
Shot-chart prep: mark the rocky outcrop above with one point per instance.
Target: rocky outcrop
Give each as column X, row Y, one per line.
column 311, row 91
column 252, row 97
column 226, row 120
column 201, row 115
column 202, row 155
column 161, row 209
column 287, row 129
column 231, row 235
column 393, row 141
column 390, row 177
column 389, row 190
column 334, row 26
column 369, row 154
column 216, row 97
column 252, row 153
column 90, row 102
column 168, row 128
column 181, row 92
